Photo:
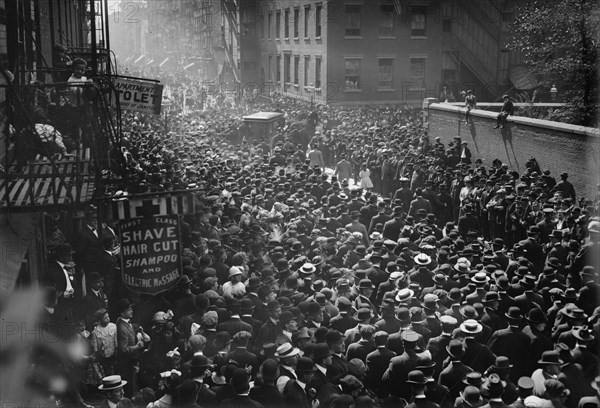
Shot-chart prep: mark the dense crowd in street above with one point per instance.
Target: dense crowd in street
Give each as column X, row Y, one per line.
column 373, row 267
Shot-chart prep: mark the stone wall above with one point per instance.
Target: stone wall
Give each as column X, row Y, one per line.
column 556, row 146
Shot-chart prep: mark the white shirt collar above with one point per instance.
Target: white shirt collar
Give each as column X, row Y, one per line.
column 111, row 404
column 321, row 368
column 301, row 384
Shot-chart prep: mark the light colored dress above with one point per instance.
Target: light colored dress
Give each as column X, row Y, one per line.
column 365, row 179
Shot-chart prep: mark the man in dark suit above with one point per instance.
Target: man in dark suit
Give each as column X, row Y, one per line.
column 199, row 368
column 393, row 227
column 322, row 359
column 380, row 218
column 62, row 275
column 89, row 241
column 397, row 373
column 271, row 329
column 268, row 394
column 240, row 354
column 129, row 346
column 437, row 345
column 339, row 365
column 417, row 382
column 235, row 324
column 364, row 346
column 241, row 385
column 377, row 362
column 514, row 344
column 112, row 386
column 95, row 299
column 297, row 392
column 452, row 376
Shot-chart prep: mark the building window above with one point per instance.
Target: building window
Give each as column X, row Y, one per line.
column 286, row 23
column 261, row 21
column 352, row 20
column 418, row 21
column 386, row 73
column 269, row 25
column 318, row 11
column 446, row 25
column 417, row 67
column 296, row 69
column 286, row 68
column 306, row 69
column 278, row 69
column 352, row 78
column 318, row 72
column 296, row 22
column 386, row 20
column 278, row 24
column 306, row 17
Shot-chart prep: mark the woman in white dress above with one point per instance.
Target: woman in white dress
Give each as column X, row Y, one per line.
column 365, row 177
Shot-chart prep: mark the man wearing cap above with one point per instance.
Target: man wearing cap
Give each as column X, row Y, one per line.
column 112, row 386
column 565, row 187
column 364, row 346
column 356, row 226
column 536, row 330
column 240, row 353
column 345, row 320
column 343, row 168
column 507, row 109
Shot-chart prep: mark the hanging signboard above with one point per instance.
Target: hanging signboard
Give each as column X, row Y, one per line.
column 150, row 253
column 139, row 96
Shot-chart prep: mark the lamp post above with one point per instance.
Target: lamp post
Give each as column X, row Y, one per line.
column 553, row 93
column 311, row 91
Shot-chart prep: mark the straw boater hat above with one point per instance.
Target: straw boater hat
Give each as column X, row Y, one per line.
column 112, row 382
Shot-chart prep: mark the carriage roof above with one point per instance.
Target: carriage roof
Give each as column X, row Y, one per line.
column 263, row 117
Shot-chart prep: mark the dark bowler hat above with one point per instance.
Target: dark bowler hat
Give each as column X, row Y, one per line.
column 536, row 316
column 200, row 361
column 305, row 365
column 502, row 363
column 473, row 378
column 455, row 349
column 416, row 377
column 550, row 357
column 514, row 313
column 270, row 370
column 123, row 305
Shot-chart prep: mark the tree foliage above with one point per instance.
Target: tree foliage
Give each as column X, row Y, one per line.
column 558, row 40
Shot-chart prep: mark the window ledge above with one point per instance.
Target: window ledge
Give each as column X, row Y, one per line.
column 306, row 38
column 318, row 38
column 386, row 90
column 353, row 90
column 418, row 37
column 353, row 37
column 387, row 37
column 296, row 38
column 296, row 86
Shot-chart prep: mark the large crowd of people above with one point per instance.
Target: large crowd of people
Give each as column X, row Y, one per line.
column 372, row 268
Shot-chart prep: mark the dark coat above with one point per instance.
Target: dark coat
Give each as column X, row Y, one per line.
column 268, row 395
column 514, row 344
column 240, row 401
column 376, row 363
column 295, row 396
